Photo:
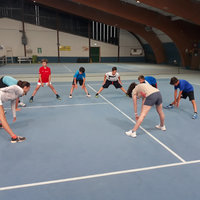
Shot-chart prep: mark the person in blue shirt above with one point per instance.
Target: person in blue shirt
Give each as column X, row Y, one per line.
column 6, row 81
column 186, row 90
column 148, row 79
column 79, row 76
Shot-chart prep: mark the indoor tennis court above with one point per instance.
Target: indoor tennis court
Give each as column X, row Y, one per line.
column 77, row 148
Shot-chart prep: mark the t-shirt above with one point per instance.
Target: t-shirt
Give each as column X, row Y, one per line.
column 8, row 80
column 150, row 79
column 11, row 93
column 79, row 76
column 111, row 77
column 144, row 89
column 45, row 73
column 184, row 86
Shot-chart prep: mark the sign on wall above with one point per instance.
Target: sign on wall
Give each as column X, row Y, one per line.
column 136, row 51
column 65, row 48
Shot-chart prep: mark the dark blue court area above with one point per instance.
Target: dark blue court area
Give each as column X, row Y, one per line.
column 77, row 148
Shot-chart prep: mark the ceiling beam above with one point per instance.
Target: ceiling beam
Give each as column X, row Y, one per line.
column 106, row 18
column 183, row 8
column 136, row 14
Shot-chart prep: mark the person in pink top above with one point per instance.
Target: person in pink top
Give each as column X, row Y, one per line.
column 44, row 78
column 150, row 96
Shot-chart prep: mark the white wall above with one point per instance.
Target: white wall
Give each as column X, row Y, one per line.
column 127, row 42
column 106, row 50
column 10, row 37
column 79, row 45
column 40, row 37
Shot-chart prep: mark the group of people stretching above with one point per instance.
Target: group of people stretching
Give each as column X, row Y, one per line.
column 12, row 90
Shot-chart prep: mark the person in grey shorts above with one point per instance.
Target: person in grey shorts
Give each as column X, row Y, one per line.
column 150, row 96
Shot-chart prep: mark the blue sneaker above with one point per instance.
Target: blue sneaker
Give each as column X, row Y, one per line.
column 168, row 107
column 194, row 116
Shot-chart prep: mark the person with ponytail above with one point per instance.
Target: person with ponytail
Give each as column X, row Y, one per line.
column 11, row 93
column 6, row 81
column 150, row 96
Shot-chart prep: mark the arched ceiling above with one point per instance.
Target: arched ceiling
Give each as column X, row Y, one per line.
column 128, row 14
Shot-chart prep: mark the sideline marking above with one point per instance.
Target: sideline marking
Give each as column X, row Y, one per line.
column 67, row 68
column 67, row 105
column 97, row 175
column 162, row 144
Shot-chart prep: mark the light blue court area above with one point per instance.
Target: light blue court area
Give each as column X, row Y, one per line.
column 77, row 148
column 69, row 68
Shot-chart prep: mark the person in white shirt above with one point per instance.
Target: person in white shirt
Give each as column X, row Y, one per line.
column 6, row 81
column 111, row 78
column 11, row 93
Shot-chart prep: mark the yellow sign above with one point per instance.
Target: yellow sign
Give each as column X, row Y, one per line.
column 65, row 48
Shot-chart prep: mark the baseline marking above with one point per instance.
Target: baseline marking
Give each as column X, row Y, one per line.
column 194, row 83
column 67, row 68
column 67, row 105
column 97, row 175
column 162, row 144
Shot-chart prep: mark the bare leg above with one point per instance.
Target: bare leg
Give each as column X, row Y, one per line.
column 123, row 90
column 36, row 89
column 53, row 89
column 194, row 105
column 161, row 115
column 143, row 114
column 5, row 123
column 85, row 89
column 72, row 89
column 100, row 90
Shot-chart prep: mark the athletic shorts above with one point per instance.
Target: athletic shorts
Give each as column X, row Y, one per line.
column 153, row 99
column 115, row 83
column 80, row 82
column 188, row 94
column 2, row 85
column 44, row 83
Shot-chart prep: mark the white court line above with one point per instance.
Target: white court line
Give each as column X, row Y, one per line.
column 162, row 144
column 65, row 105
column 67, row 68
column 194, row 83
column 97, row 175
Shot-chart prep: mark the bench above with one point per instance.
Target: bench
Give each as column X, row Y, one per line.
column 24, row 59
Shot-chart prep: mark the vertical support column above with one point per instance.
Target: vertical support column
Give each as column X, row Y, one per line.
column 89, row 37
column 24, row 40
column 118, row 56
column 58, row 39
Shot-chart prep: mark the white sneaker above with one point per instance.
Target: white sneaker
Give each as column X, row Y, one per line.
column 21, row 104
column 163, row 128
column 70, row 96
column 88, row 95
column 131, row 133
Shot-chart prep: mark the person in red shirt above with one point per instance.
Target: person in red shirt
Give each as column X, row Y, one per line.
column 44, row 78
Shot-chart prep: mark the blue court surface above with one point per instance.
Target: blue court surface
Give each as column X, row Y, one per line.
column 77, row 149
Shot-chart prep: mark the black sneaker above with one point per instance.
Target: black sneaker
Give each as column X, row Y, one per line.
column 1, row 125
column 31, row 100
column 17, row 139
column 97, row 95
column 58, row 97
